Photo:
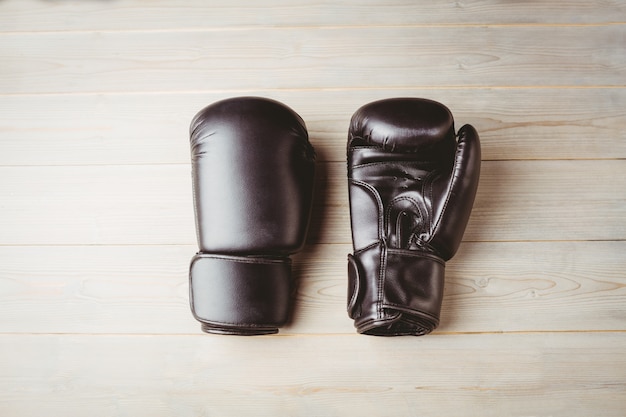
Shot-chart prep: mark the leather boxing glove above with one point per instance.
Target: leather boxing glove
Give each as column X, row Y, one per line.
column 252, row 168
column 412, row 183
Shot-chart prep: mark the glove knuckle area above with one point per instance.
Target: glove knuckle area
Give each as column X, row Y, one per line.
column 404, row 125
column 253, row 176
column 249, row 115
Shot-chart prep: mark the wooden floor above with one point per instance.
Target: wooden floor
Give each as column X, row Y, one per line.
column 97, row 228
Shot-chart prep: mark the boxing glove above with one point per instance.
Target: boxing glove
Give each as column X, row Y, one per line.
column 252, row 169
column 411, row 183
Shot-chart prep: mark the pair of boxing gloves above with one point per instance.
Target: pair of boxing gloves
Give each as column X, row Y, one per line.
column 411, row 179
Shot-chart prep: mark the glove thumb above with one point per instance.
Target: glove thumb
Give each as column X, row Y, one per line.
column 462, row 185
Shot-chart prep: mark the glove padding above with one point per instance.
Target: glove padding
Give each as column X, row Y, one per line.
column 253, row 170
column 412, row 184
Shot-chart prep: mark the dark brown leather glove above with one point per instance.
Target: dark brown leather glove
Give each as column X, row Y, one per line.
column 253, row 171
column 412, row 186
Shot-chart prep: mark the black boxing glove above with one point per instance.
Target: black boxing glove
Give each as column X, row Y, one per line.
column 253, row 168
column 412, row 184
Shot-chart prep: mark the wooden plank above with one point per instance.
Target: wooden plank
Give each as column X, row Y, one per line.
column 127, row 204
column 533, row 123
column 465, row 375
column 550, row 200
column 490, row 287
column 33, row 15
column 152, row 204
column 545, row 286
column 311, row 58
column 96, row 289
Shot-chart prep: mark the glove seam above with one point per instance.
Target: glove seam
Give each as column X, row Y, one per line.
column 456, row 168
column 407, row 309
column 217, row 323
column 389, row 209
column 382, row 276
column 356, row 288
column 365, row 248
column 246, row 260
column 404, row 252
column 417, row 254
column 379, row 204
column 366, row 164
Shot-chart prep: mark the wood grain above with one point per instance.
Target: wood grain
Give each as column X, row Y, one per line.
column 33, row 15
column 105, row 129
column 302, row 58
column 490, row 287
column 464, row 375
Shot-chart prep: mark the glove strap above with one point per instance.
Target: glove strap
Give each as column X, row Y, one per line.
column 395, row 292
column 240, row 295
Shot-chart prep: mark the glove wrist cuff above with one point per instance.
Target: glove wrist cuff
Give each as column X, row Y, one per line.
column 395, row 292
column 240, row 295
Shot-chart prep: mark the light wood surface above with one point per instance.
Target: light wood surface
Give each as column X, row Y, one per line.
column 96, row 217
column 486, row 375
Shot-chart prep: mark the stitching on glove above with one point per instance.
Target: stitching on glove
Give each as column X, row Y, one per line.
column 264, row 261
